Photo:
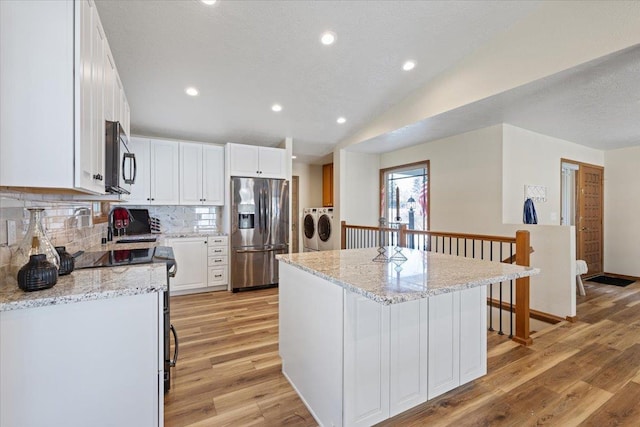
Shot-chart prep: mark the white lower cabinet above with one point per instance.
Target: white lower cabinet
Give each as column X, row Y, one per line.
column 400, row 355
column 202, row 263
column 366, row 361
column 93, row 363
column 191, row 258
column 408, row 355
column 385, row 358
column 218, row 261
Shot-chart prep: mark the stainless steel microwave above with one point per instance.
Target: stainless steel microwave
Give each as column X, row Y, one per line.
column 120, row 163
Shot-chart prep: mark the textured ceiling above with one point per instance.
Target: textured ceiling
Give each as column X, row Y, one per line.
column 244, row 56
column 596, row 104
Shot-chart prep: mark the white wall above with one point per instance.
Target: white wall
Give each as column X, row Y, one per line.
column 530, row 158
column 466, row 173
column 554, row 289
column 310, row 191
column 465, row 179
column 359, row 175
column 622, row 211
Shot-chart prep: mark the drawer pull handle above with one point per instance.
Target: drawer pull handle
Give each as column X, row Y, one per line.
column 218, row 275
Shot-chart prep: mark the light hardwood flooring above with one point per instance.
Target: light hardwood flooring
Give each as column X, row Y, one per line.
column 585, row 373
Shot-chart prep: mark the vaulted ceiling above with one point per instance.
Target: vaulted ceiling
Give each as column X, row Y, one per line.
column 245, row 56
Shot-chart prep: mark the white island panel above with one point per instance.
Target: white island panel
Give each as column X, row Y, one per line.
column 311, row 327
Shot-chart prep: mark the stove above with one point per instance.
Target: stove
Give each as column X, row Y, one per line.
column 124, row 257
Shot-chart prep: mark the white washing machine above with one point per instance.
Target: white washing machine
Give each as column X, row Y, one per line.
column 310, row 230
column 325, row 230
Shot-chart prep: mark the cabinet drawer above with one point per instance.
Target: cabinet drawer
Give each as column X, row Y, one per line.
column 218, row 241
column 217, row 276
column 217, row 250
column 217, row 260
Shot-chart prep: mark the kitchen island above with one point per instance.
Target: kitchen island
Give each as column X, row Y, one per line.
column 86, row 352
column 363, row 341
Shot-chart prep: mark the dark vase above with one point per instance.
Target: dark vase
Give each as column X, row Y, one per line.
column 37, row 274
column 67, row 263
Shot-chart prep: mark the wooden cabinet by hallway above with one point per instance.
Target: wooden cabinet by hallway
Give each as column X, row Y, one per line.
column 327, row 185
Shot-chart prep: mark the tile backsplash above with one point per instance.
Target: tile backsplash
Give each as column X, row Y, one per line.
column 70, row 224
column 66, row 224
column 177, row 219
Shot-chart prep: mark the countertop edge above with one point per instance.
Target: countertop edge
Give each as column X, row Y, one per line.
column 70, row 299
column 410, row 296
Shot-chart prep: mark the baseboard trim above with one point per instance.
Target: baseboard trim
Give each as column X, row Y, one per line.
column 534, row 314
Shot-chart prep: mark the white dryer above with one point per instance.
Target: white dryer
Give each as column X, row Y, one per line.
column 326, row 233
column 310, row 230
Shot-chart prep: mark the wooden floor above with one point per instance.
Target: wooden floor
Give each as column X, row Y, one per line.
column 586, row 373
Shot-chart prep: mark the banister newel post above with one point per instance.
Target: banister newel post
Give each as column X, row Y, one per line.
column 522, row 290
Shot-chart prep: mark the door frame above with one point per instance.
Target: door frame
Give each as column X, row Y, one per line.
column 295, row 208
column 578, row 197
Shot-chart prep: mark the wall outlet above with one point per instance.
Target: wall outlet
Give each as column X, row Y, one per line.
column 11, row 232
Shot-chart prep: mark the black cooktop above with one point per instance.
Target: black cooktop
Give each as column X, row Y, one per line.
column 125, row 257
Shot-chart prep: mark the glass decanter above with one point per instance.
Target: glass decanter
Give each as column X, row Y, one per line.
column 35, row 242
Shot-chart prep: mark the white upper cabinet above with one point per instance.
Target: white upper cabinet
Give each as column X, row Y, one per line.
column 201, row 174
column 56, row 74
column 165, row 164
column 141, row 189
column 213, row 175
column 157, row 172
column 254, row 161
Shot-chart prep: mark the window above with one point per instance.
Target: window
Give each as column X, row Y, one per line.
column 404, row 195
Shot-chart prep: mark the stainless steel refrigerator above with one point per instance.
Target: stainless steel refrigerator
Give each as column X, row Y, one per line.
column 259, row 230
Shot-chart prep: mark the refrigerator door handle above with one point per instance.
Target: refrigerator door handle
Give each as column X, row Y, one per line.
column 249, row 251
column 260, row 211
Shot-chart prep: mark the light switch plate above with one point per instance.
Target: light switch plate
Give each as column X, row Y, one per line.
column 11, row 232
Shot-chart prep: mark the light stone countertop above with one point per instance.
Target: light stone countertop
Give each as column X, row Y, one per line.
column 85, row 285
column 193, row 234
column 424, row 274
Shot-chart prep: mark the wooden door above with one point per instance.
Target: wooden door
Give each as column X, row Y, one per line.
column 295, row 215
column 327, row 185
column 589, row 240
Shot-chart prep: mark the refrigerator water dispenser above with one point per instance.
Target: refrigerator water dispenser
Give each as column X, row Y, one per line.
column 246, row 220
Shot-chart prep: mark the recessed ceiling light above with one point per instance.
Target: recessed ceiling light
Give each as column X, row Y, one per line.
column 191, row 91
column 409, row 65
column 341, row 120
column 294, row 157
column 209, row 2
column 276, row 107
column 328, row 37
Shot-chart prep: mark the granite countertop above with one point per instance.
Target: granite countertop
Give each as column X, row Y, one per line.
column 424, row 274
column 85, row 285
column 193, row 234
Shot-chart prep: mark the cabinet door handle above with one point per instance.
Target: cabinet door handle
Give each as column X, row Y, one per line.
column 217, row 275
column 173, row 361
